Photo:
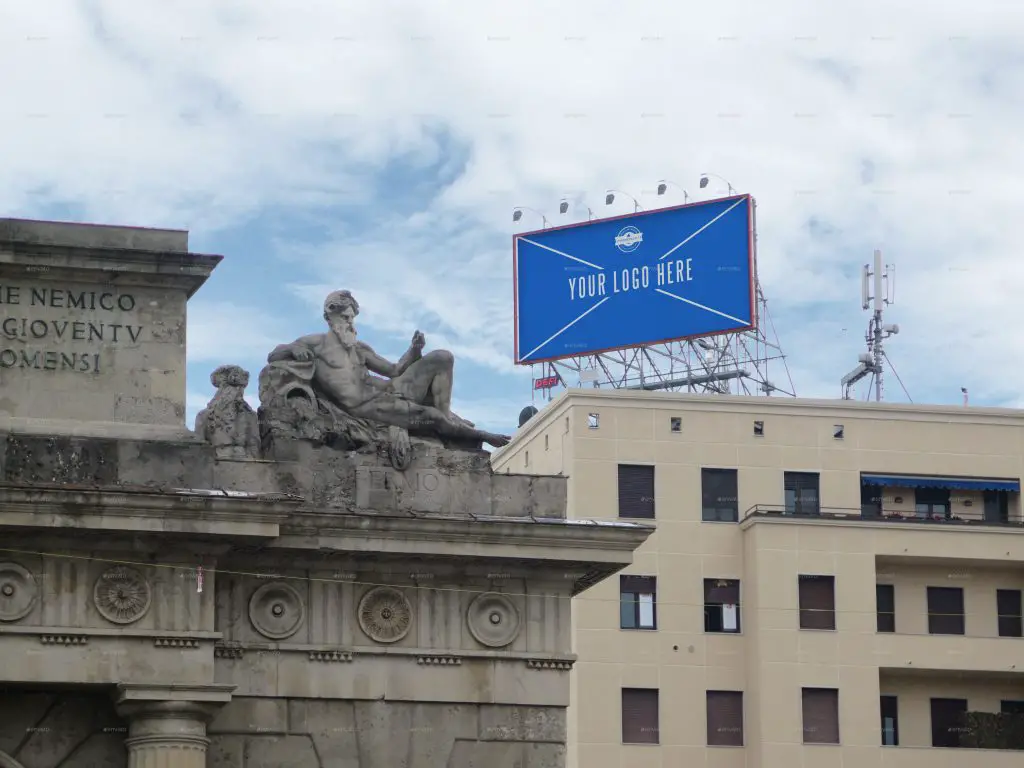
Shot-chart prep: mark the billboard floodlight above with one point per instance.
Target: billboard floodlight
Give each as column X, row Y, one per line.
column 609, row 198
column 563, row 207
column 704, row 180
column 662, row 188
column 517, row 215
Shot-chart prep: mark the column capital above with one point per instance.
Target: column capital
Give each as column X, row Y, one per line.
column 167, row 723
column 171, row 699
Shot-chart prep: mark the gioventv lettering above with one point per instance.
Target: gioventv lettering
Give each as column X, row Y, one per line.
column 21, row 327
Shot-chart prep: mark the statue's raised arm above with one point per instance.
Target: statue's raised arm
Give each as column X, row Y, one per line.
column 329, row 377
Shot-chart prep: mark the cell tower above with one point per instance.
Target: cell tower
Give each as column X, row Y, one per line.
column 730, row 363
column 878, row 289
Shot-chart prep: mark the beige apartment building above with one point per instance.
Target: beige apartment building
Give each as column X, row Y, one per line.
column 831, row 583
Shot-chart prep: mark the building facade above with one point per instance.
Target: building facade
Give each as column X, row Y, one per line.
column 830, row 582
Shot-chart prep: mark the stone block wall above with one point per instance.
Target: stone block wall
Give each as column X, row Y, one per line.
column 311, row 733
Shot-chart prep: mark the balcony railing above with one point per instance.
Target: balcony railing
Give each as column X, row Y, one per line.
column 872, row 514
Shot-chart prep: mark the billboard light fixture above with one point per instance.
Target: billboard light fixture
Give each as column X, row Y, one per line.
column 517, row 214
column 609, row 198
column 663, row 188
column 705, row 180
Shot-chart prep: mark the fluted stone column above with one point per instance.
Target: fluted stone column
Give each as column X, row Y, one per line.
column 167, row 725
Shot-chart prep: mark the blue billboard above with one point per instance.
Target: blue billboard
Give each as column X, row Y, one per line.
column 648, row 278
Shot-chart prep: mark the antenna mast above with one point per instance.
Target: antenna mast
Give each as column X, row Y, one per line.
column 877, row 290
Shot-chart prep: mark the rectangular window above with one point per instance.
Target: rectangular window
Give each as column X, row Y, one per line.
column 1011, row 707
column 1008, row 606
column 890, row 721
column 719, row 495
column 997, row 507
column 871, row 501
column 817, row 602
column 639, row 716
column 948, row 721
column 725, row 718
column 636, row 491
column 638, row 602
column 932, row 503
column 945, row 611
column 821, row 715
column 885, row 607
column 721, row 605
column 801, row 489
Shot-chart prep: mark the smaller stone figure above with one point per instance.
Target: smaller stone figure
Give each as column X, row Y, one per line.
column 228, row 422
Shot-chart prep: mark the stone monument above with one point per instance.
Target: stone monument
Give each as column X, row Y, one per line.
column 336, row 581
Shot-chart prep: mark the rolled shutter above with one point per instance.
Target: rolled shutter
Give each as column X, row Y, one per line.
column 636, row 491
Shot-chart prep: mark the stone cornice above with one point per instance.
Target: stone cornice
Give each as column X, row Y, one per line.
column 144, row 510
column 158, row 268
column 434, row 534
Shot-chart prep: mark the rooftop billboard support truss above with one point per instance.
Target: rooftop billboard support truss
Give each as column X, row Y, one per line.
column 745, row 363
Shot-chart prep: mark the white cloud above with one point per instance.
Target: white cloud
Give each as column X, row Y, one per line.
column 199, row 115
column 228, row 333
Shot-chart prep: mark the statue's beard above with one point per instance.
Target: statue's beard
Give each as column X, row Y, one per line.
column 346, row 334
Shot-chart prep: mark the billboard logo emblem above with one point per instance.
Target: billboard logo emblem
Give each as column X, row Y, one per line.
column 629, row 239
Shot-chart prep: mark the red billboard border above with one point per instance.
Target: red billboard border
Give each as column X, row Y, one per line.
column 751, row 250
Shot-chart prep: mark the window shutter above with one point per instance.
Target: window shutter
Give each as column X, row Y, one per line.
column 1008, row 604
column 637, row 584
column 945, row 611
column 821, row 715
column 817, row 602
column 800, row 481
column 639, row 716
column 722, row 591
column 719, row 495
column 725, row 718
column 885, row 607
column 636, row 491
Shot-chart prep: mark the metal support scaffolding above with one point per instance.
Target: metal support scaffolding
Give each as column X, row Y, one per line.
column 730, row 363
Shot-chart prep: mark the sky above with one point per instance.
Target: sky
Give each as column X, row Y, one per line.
column 381, row 147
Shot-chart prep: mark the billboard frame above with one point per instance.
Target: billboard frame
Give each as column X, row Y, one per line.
column 752, row 251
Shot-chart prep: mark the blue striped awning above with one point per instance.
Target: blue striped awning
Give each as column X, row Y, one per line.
column 953, row 483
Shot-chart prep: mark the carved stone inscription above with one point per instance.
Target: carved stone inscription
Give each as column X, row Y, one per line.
column 425, row 490
column 64, row 328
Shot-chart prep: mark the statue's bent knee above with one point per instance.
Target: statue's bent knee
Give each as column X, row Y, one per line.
column 440, row 357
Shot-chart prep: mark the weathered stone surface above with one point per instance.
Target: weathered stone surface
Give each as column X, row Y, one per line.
column 60, row 460
column 228, row 422
column 84, row 725
column 92, row 322
column 333, row 389
column 367, row 734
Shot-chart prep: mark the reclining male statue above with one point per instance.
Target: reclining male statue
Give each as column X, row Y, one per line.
column 413, row 394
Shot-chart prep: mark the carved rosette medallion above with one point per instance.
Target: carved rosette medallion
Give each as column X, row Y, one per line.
column 493, row 620
column 122, row 595
column 276, row 610
column 385, row 615
column 18, row 593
